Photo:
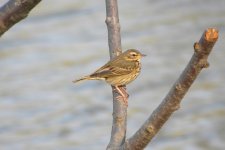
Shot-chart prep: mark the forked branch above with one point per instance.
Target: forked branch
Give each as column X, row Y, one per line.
column 15, row 10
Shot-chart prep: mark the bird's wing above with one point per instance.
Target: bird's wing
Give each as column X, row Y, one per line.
column 111, row 70
column 115, row 67
column 120, row 70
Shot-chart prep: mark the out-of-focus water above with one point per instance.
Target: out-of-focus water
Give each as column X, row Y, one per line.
column 40, row 108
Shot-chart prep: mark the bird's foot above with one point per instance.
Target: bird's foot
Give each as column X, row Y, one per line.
column 123, row 89
column 122, row 94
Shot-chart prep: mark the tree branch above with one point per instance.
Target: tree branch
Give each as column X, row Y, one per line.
column 171, row 102
column 118, row 133
column 14, row 11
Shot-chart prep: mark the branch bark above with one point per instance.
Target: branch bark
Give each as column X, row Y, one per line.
column 14, row 11
column 171, row 102
column 118, row 132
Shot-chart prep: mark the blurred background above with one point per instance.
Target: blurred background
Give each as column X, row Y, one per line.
column 40, row 107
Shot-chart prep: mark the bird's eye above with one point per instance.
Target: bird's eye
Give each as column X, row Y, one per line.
column 133, row 54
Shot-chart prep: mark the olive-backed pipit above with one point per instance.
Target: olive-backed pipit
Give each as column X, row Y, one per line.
column 119, row 71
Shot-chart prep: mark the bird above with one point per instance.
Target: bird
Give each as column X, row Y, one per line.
column 119, row 71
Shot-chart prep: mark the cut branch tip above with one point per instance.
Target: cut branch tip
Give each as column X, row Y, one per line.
column 211, row 34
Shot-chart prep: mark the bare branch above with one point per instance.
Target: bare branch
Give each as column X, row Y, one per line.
column 118, row 133
column 171, row 102
column 14, row 11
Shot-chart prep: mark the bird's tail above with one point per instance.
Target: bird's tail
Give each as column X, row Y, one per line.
column 90, row 77
column 82, row 79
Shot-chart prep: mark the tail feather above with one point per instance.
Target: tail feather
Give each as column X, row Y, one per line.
column 82, row 79
column 87, row 78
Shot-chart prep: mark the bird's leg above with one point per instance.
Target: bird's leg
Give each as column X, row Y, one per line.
column 123, row 89
column 123, row 94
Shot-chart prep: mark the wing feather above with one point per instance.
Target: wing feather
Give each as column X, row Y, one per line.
column 115, row 67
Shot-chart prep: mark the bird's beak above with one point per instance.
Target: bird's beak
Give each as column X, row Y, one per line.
column 143, row 55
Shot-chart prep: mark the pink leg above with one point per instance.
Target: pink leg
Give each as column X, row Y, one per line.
column 123, row 89
column 123, row 94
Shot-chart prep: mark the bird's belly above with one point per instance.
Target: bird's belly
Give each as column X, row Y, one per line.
column 122, row 80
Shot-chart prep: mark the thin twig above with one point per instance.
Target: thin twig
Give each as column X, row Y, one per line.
column 171, row 102
column 118, row 133
column 14, row 11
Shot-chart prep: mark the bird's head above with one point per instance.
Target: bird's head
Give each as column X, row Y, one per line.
column 133, row 55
